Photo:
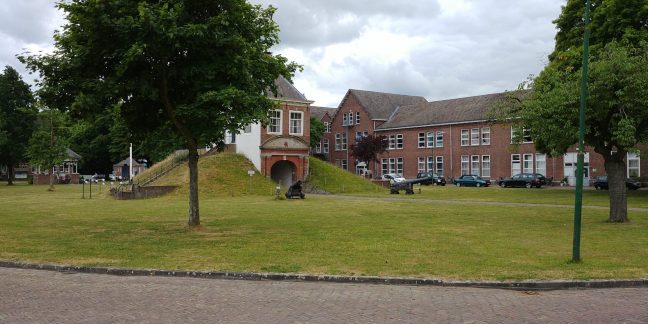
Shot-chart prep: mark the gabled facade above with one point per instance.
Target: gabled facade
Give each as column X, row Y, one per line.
column 281, row 149
column 324, row 115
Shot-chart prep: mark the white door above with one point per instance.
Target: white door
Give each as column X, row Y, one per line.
column 571, row 165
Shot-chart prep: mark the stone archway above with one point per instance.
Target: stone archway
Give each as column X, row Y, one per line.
column 282, row 173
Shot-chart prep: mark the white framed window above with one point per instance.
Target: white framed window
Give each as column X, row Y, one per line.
column 342, row 164
column 465, row 164
column 541, row 163
column 399, row 165
column 485, row 136
column 399, row 141
column 430, row 139
column 486, row 166
column 474, row 165
column 327, row 127
column 634, row 165
column 344, row 119
column 526, row 135
column 430, row 164
column 351, row 119
column 318, row 148
column 465, row 137
column 338, row 141
column 439, row 166
column 344, row 141
column 325, row 145
column 275, row 122
column 421, row 164
column 421, row 140
column 357, row 117
column 528, row 163
column 345, row 165
column 516, row 165
column 474, row 137
column 392, row 165
column 359, row 136
column 439, row 139
column 296, row 123
column 392, row 142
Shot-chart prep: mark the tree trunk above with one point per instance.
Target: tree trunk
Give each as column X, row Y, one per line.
column 618, row 194
column 52, row 177
column 194, row 216
column 10, row 174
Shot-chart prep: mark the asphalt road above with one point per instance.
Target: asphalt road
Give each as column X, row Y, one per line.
column 36, row 296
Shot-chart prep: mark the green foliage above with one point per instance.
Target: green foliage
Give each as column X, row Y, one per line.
column 48, row 144
column 317, row 128
column 17, row 115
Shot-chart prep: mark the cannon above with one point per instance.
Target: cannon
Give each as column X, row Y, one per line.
column 295, row 191
column 406, row 185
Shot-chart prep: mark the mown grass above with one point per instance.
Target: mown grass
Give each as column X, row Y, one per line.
column 330, row 178
column 321, row 234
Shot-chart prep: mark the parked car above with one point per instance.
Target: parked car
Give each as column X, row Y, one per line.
column 471, row 180
column 528, row 180
column 601, row 182
column 431, row 179
column 393, row 177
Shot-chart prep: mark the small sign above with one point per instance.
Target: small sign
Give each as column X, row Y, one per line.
column 251, row 172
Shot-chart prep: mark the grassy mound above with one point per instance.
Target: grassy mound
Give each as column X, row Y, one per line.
column 222, row 174
column 330, row 178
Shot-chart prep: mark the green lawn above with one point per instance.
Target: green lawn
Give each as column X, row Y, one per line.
column 324, row 234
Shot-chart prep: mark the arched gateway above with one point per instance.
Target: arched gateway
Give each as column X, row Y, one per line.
column 285, row 159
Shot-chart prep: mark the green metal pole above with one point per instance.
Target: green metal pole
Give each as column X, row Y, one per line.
column 581, row 139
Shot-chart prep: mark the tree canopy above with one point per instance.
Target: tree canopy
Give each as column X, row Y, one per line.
column 617, row 104
column 17, row 115
column 196, row 67
column 49, row 141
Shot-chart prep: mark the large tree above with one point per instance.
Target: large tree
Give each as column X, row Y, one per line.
column 197, row 67
column 617, row 105
column 49, row 141
column 17, row 115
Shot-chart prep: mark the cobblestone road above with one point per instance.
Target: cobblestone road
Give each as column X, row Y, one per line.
column 33, row 296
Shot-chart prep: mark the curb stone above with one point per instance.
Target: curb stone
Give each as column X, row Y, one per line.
column 514, row 285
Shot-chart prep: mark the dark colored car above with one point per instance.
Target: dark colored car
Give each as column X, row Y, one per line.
column 431, row 179
column 601, row 182
column 527, row 180
column 471, row 180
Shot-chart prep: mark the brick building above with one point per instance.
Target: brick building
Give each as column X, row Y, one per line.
column 449, row 137
column 325, row 115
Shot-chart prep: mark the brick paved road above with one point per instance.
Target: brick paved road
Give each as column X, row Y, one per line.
column 33, row 296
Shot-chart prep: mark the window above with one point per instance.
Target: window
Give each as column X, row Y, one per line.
column 357, row 117
column 296, row 123
column 474, row 167
column 325, row 145
column 350, row 118
column 359, row 136
column 399, row 141
column 430, row 139
column 392, row 165
column 465, row 137
column 474, row 137
column 344, row 141
column 439, row 139
column 430, row 164
column 345, row 166
column 421, row 164
column 526, row 135
column 421, row 140
column 465, row 164
column 327, row 127
column 634, row 165
column 486, row 166
column 516, row 167
column 392, row 142
column 528, row 163
column 318, row 148
column 384, row 166
column 247, row 129
column 399, row 165
column 344, row 119
column 541, row 164
column 275, row 122
column 439, row 166
column 338, row 141
column 341, row 164
column 485, row 138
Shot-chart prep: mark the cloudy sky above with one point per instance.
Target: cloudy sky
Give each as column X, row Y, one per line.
column 438, row 49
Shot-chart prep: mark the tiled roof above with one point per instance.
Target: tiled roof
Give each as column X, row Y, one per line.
column 459, row 110
column 380, row 105
column 319, row 112
column 286, row 91
column 72, row 155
